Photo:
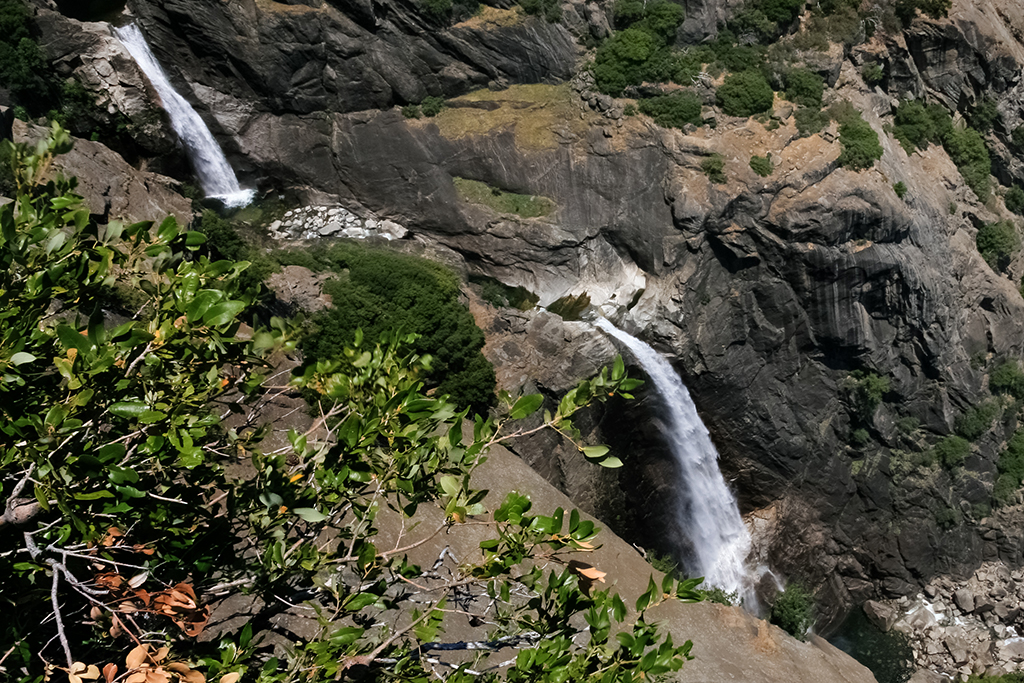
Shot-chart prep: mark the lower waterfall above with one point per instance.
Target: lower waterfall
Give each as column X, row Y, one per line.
column 706, row 512
column 211, row 166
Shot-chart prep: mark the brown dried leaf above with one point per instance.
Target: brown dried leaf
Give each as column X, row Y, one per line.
column 161, row 654
column 179, row 667
column 231, row 677
column 194, row 677
column 92, row 673
column 110, row 672
column 95, row 613
column 72, row 678
column 138, row 579
column 136, row 657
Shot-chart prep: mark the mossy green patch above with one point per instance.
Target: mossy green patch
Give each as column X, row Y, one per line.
column 522, row 205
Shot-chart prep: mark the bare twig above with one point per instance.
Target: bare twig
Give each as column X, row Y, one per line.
column 56, row 613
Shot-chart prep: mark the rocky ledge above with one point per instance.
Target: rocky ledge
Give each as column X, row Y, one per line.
column 962, row 628
column 311, row 222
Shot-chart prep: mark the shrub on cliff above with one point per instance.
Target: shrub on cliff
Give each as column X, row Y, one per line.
column 621, row 61
column 866, row 391
column 1014, row 199
column 793, row 610
column 745, row 93
column 804, row 87
column 762, row 166
column 952, row 451
column 967, row 150
column 376, row 291
column 673, row 111
column 977, row 420
column 936, row 9
column 861, row 147
column 997, row 242
column 1007, row 378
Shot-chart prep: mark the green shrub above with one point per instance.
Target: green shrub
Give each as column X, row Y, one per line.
column 1011, row 469
column 1017, row 136
column 908, row 425
column 718, row 595
column 762, row 166
column 952, row 451
column 570, row 307
column 224, row 242
column 900, row 189
column 861, row 148
column 872, row 73
column 978, row 420
column 793, row 610
column 438, row 8
column 810, row 121
column 500, row 295
column 662, row 18
column 629, row 110
column 781, row 11
column 1007, row 378
column 984, row 115
column 967, row 150
column 1014, row 199
column 804, row 87
column 549, row 9
column 411, row 111
column 714, row 167
column 866, row 390
column 947, row 517
column 376, row 290
column 936, row 9
column 627, row 12
column 673, row 111
column 860, row 437
column 997, row 242
column 622, row 60
column 916, row 125
column 745, row 93
column 432, row 106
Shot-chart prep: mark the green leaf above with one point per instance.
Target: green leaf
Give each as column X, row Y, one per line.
column 611, row 462
column 21, row 358
column 358, row 602
column 309, row 514
column 223, row 313
column 526, row 405
column 450, row 486
column 194, row 239
column 201, row 303
column 151, row 416
column 128, row 409
column 595, row 451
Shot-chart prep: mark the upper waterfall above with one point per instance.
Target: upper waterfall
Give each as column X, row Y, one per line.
column 707, row 512
column 211, row 166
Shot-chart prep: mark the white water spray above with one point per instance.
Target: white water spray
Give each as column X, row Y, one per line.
column 707, row 513
column 211, row 166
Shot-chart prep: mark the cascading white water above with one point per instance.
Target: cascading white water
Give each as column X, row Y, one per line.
column 211, row 166
column 708, row 514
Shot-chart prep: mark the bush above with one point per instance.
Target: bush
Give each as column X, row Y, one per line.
column 952, row 451
column 1007, row 378
column 793, row 610
column 781, row 11
column 1011, row 469
column 810, row 121
column 550, row 9
column 411, row 111
column 673, row 111
column 1014, row 199
column 713, row 167
column 861, row 148
column 916, row 125
column 978, row 420
column 223, row 241
column 967, row 150
column 997, row 242
column 984, row 115
column 900, row 189
column 866, row 390
column 804, row 87
column 627, row 12
column 762, row 166
column 872, row 73
column 432, row 106
column 377, row 291
column 1017, row 136
column 622, row 60
column 500, row 295
column 860, row 437
column 745, row 93
column 936, row 9
column 438, row 8
column 570, row 307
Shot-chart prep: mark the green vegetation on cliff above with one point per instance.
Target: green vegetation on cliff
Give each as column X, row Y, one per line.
column 522, row 205
column 793, row 610
column 375, row 291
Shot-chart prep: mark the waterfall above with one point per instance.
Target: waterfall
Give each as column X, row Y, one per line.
column 211, row 166
column 707, row 512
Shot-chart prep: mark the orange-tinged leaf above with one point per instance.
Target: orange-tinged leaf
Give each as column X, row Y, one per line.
column 136, row 657
column 179, row 667
column 585, row 545
column 296, row 477
column 110, row 672
column 194, row 677
column 231, row 677
column 161, row 654
column 137, row 677
column 72, row 354
column 593, row 573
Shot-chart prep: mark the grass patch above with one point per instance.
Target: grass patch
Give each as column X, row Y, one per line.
column 522, row 205
column 570, row 307
column 534, row 112
column 500, row 295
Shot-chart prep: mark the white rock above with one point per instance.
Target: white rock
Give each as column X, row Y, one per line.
column 332, row 228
